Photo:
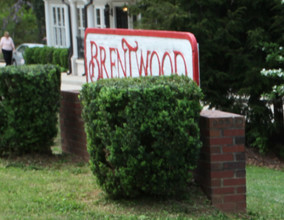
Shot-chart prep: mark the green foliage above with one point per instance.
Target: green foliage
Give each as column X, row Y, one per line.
column 26, row 30
column 28, row 55
column 56, row 56
column 36, row 55
column 231, row 35
column 19, row 18
column 161, row 14
column 29, row 103
column 274, row 71
column 47, row 55
column 38, row 10
column 143, row 134
column 64, row 58
column 274, row 75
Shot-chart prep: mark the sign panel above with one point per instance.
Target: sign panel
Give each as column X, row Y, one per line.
column 117, row 53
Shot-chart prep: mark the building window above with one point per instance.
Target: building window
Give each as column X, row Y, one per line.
column 81, row 21
column 99, row 17
column 59, row 31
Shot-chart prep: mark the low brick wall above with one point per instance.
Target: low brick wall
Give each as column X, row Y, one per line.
column 221, row 169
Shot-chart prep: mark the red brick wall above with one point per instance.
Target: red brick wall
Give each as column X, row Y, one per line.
column 221, row 170
column 73, row 136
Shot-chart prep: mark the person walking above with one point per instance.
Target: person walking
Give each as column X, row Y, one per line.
column 7, row 46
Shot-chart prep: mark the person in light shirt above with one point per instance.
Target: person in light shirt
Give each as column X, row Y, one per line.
column 7, row 46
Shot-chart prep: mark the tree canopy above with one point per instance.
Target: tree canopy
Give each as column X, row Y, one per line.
column 231, row 36
column 24, row 19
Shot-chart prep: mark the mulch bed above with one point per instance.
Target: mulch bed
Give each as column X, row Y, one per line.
column 269, row 160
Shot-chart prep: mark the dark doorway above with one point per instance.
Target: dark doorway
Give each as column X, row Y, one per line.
column 121, row 18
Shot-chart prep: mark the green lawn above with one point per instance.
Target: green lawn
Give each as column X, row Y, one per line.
column 265, row 193
column 60, row 188
column 57, row 188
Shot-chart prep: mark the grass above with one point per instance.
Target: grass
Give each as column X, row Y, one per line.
column 265, row 193
column 57, row 187
column 62, row 187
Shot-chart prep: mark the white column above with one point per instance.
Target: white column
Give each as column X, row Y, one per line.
column 74, row 26
column 91, row 17
column 112, row 16
column 67, row 26
column 48, row 23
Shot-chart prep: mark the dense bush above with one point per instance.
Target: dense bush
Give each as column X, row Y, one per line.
column 28, row 55
column 47, row 55
column 36, row 55
column 56, row 56
column 143, row 134
column 64, row 58
column 29, row 104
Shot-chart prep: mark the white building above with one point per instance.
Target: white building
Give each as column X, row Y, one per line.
column 66, row 21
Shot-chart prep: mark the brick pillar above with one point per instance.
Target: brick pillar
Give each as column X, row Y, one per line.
column 221, row 170
column 73, row 136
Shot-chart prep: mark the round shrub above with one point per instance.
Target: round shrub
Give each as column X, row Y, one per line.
column 142, row 133
column 29, row 104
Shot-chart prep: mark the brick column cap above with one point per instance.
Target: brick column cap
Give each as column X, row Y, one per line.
column 70, row 91
column 218, row 114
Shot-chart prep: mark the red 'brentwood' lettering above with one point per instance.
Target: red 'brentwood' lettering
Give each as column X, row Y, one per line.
column 163, row 62
column 106, row 56
column 145, row 68
column 112, row 53
column 92, row 63
column 131, row 49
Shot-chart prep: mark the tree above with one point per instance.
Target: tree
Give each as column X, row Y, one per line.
column 19, row 18
column 231, row 35
column 275, row 78
column 38, row 9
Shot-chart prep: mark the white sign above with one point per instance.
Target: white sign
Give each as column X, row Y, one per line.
column 117, row 53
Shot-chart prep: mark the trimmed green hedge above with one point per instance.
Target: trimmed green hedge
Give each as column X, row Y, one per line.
column 29, row 105
column 143, row 134
column 47, row 55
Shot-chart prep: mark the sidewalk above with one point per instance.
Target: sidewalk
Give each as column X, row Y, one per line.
column 71, row 82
